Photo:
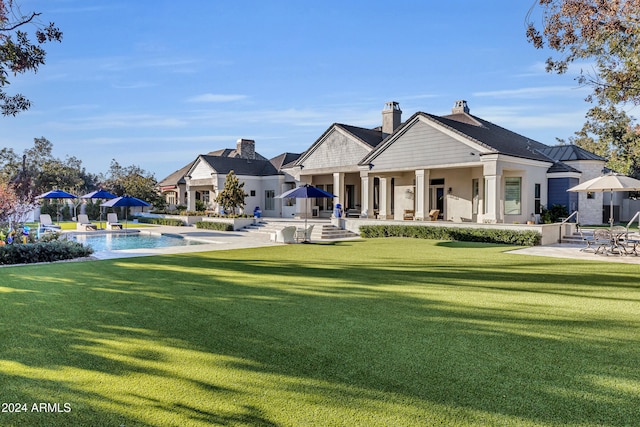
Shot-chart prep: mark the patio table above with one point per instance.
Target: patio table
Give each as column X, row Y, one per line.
column 630, row 244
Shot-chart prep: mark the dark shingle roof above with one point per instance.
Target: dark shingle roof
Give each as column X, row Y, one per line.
column 240, row 166
column 561, row 167
column 492, row 136
column 176, row 177
column 565, row 153
column 371, row 137
column 283, row 159
column 231, row 152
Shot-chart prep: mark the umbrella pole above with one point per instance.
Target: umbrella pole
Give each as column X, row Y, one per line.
column 611, row 210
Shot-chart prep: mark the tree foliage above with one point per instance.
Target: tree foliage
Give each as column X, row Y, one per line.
column 14, row 208
column 8, row 200
column 606, row 32
column 38, row 171
column 132, row 181
column 612, row 134
column 232, row 195
column 18, row 53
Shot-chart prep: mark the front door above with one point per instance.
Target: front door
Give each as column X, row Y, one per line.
column 436, row 199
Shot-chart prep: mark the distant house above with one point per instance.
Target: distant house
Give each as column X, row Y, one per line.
column 460, row 165
column 204, row 177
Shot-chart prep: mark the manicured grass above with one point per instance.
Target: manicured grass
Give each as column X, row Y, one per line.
column 380, row 332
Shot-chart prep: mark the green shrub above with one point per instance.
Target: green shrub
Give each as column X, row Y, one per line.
column 211, row 225
column 55, row 250
column 553, row 214
column 483, row 235
column 217, row 215
column 161, row 221
column 192, row 213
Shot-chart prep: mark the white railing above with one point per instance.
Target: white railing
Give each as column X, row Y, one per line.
column 637, row 215
column 564, row 221
column 575, row 213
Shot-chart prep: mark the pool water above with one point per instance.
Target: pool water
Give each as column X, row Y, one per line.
column 117, row 242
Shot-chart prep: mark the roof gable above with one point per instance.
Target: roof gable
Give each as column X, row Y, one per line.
column 421, row 142
column 339, row 146
column 176, row 177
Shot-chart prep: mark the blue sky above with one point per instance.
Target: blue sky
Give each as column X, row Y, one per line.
column 156, row 82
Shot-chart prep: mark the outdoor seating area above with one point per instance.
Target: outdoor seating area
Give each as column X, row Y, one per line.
column 304, row 234
column 616, row 240
column 285, row 235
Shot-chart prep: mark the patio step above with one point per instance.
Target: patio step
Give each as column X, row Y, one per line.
column 321, row 231
column 575, row 238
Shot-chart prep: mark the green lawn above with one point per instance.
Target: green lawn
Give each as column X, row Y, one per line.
column 381, row 332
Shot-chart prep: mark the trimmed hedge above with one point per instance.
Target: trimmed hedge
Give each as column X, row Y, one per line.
column 55, row 250
column 161, row 221
column 483, row 235
column 212, row 225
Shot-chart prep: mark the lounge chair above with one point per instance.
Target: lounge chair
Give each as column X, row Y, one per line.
column 84, row 224
column 433, row 214
column 112, row 222
column 286, row 235
column 46, row 224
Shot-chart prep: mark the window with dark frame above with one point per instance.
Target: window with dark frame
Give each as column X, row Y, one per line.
column 537, row 208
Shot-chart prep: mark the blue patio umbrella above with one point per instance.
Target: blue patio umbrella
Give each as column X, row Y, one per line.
column 126, row 202
column 99, row 194
column 306, row 192
column 56, row 194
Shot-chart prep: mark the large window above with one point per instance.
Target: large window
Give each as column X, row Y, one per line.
column 512, row 196
column 269, row 200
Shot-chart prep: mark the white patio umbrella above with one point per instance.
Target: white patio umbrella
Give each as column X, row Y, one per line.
column 611, row 182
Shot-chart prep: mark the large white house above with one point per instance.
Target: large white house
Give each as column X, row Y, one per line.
column 465, row 167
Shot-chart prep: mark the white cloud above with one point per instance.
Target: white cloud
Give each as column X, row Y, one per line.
column 213, row 97
column 120, row 121
column 531, row 92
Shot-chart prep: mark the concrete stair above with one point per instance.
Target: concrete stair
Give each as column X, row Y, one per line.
column 321, row 230
column 576, row 237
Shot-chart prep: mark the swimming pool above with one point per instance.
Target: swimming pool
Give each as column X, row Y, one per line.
column 118, row 242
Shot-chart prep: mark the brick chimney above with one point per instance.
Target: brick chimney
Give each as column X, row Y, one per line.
column 460, row 107
column 391, row 117
column 246, row 149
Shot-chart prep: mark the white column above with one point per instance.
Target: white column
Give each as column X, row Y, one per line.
column 191, row 200
column 422, row 194
column 366, row 195
column 385, row 199
column 338, row 188
column 492, row 199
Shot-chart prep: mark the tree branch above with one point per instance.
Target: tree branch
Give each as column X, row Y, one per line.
column 20, row 23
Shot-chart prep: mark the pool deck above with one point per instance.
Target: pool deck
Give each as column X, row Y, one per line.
column 224, row 240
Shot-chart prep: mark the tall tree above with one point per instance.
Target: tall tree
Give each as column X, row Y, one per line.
column 18, row 54
column 606, row 32
column 132, row 181
column 232, row 195
column 39, row 171
column 612, row 134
